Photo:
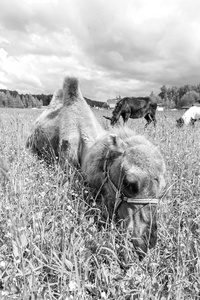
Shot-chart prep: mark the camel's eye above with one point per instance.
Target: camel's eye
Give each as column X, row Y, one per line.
column 156, row 179
column 130, row 188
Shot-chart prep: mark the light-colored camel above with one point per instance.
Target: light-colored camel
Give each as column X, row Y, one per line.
column 128, row 170
column 44, row 138
column 79, row 128
column 125, row 171
column 57, row 100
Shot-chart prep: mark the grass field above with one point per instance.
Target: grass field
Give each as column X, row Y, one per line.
column 50, row 247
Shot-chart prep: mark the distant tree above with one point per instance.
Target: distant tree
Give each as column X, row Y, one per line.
column 3, row 99
column 184, row 89
column 28, row 103
column 23, row 99
column 33, row 100
column 169, row 104
column 44, row 99
column 38, row 103
column 18, row 102
column 155, row 98
column 173, row 95
column 163, row 93
column 197, row 89
column 9, row 99
column 188, row 99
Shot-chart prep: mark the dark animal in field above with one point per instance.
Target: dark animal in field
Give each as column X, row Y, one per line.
column 189, row 117
column 125, row 171
column 134, row 108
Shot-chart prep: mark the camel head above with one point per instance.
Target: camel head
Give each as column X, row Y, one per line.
column 132, row 171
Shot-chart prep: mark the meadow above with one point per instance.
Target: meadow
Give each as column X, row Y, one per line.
column 50, row 246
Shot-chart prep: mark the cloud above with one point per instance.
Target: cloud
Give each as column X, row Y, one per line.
column 115, row 47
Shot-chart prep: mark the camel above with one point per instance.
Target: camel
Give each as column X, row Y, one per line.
column 129, row 172
column 78, row 126
column 125, row 171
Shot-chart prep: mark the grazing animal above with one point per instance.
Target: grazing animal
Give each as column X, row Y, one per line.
column 189, row 117
column 128, row 171
column 134, row 107
column 125, row 171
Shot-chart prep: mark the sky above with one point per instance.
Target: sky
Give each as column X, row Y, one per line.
column 114, row 47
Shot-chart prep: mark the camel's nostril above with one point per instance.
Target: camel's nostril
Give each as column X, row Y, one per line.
column 130, row 188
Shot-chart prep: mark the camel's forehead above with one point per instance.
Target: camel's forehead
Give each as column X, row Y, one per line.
column 142, row 154
column 147, row 159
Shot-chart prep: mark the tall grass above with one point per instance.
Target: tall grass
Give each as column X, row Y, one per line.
column 50, row 246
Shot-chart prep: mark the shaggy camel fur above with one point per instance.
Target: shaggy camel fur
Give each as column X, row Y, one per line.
column 78, row 126
column 58, row 132
column 125, row 171
column 44, row 138
column 132, row 168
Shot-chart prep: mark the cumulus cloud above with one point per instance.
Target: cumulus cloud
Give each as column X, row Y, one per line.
column 115, row 47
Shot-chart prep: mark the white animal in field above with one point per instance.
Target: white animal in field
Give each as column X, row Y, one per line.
column 189, row 117
column 125, row 171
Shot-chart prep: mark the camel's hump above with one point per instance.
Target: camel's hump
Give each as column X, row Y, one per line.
column 70, row 88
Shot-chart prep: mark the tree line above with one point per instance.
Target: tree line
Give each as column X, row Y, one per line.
column 177, row 97
column 16, row 100
column 170, row 97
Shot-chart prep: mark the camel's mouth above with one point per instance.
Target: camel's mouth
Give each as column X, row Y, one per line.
column 138, row 218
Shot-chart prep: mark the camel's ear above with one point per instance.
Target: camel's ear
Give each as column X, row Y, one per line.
column 114, row 139
column 117, row 145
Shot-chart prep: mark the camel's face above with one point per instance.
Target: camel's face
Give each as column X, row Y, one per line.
column 139, row 175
